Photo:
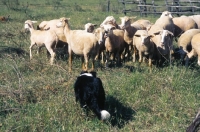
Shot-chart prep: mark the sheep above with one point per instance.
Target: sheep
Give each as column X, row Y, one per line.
column 51, row 25
column 129, row 32
column 145, row 47
column 184, row 42
column 183, row 24
column 110, row 20
column 196, row 18
column 166, row 22
column 89, row 27
column 195, row 42
column 81, row 43
column 162, row 39
column 42, row 38
column 114, row 44
column 166, row 13
column 141, row 24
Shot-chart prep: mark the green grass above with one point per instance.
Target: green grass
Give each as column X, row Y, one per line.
column 35, row 96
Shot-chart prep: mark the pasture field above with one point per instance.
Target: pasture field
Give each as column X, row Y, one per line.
column 35, row 96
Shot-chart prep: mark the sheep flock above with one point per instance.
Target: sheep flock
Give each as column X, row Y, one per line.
column 112, row 44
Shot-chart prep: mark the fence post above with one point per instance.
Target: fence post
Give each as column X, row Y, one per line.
column 108, row 7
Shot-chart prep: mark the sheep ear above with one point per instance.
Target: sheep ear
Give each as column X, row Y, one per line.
column 34, row 21
column 151, row 36
column 156, row 33
column 94, row 25
column 170, row 33
column 112, row 28
column 132, row 18
column 148, row 27
column 137, row 35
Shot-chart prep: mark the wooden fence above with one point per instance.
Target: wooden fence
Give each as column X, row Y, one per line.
column 145, row 7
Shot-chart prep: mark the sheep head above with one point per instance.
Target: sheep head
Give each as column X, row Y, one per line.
column 164, row 34
column 108, row 27
column 108, row 20
column 29, row 24
column 89, row 27
column 126, row 21
column 99, row 33
column 166, row 13
column 144, row 36
column 63, row 21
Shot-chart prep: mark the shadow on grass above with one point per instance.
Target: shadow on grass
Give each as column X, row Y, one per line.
column 11, row 50
column 120, row 114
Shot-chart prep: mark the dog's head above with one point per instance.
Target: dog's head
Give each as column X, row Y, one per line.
column 86, row 73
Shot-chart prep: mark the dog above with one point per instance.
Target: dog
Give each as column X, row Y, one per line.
column 90, row 93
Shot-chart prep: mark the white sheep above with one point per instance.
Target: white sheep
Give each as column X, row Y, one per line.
column 42, row 38
column 196, row 18
column 162, row 39
column 184, row 42
column 129, row 32
column 82, row 43
column 51, row 25
column 195, row 42
column 166, row 13
column 110, row 20
column 141, row 24
column 182, row 24
column 145, row 47
column 166, row 22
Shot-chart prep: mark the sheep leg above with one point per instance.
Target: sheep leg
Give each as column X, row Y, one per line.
column 144, row 58
column 86, row 62
column 134, row 53
column 93, row 66
column 38, row 50
column 118, row 59
column 150, row 62
column 102, row 57
column 189, row 56
column 30, row 48
column 52, row 53
column 107, row 58
column 140, row 56
column 133, row 56
column 70, row 58
column 198, row 60
column 82, row 63
column 113, row 59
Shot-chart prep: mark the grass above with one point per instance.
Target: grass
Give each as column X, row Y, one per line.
column 35, row 96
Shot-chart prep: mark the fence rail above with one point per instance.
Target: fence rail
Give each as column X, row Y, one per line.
column 179, row 7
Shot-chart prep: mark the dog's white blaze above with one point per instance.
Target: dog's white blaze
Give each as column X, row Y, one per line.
column 87, row 74
column 105, row 115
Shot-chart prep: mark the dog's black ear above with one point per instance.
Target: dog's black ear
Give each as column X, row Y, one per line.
column 82, row 72
column 93, row 73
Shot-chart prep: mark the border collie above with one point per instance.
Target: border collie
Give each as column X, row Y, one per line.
column 90, row 93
